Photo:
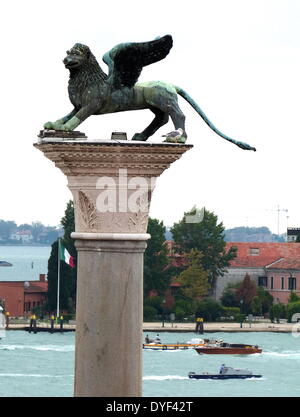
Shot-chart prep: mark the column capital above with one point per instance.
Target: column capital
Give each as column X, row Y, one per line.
column 111, row 181
column 106, row 157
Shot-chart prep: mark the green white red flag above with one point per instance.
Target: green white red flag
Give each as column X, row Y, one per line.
column 65, row 256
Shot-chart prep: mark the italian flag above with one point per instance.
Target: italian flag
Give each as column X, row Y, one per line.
column 65, row 256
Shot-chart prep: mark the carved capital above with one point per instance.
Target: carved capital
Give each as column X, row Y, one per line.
column 111, row 181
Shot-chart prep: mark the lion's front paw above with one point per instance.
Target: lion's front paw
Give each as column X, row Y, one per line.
column 139, row 137
column 48, row 125
column 56, row 126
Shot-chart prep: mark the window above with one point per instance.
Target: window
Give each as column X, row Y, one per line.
column 272, row 283
column 292, row 283
column 262, row 281
column 254, row 251
column 282, row 283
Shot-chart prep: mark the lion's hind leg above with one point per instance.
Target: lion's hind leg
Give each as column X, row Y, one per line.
column 163, row 96
column 178, row 119
column 160, row 119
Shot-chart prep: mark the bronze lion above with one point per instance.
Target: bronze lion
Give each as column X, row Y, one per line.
column 93, row 92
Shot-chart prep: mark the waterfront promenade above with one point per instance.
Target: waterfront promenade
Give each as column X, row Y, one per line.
column 223, row 327
column 160, row 327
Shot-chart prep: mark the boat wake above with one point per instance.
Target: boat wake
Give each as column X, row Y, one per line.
column 284, row 354
column 178, row 377
column 33, row 375
column 163, row 377
column 68, row 348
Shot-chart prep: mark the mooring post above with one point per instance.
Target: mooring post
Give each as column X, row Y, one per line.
column 112, row 183
column 52, row 324
column 34, row 325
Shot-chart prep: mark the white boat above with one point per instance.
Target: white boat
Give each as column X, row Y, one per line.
column 226, row 372
column 157, row 345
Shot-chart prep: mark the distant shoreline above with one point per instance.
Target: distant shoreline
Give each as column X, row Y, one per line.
column 21, row 245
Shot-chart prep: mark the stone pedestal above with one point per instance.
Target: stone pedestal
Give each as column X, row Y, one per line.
column 112, row 183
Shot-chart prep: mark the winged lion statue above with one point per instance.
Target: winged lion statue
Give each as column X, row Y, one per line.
column 93, row 92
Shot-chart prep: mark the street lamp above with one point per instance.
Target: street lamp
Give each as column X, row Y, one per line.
column 241, row 323
column 163, row 312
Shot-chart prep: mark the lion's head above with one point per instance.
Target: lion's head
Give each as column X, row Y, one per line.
column 77, row 56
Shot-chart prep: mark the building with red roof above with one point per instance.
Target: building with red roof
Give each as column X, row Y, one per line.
column 274, row 266
column 20, row 297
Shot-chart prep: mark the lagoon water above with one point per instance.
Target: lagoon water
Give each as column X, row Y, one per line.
column 42, row 365
column 27, row 262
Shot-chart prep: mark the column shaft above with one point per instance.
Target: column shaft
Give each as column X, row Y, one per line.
column 109, row 315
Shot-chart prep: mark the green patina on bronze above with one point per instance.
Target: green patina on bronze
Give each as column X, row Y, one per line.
column 93, row 92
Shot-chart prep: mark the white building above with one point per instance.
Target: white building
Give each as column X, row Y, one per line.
column 23, row 235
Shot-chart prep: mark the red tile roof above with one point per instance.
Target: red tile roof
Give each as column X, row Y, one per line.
column 291, row 263
column 36, row 286
column 258, row 255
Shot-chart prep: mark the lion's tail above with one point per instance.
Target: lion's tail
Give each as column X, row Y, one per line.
column 195, row 106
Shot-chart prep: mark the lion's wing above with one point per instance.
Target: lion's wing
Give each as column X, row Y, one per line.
column 126, row 61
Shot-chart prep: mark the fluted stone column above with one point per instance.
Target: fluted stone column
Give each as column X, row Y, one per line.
column 112, row 183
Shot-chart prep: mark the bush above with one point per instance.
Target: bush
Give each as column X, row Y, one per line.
column 180, row 313
column 209, row 309
column 155, row 302
column 292, row 309
column 266, row 299
column 277, row 311
column 68, row 317
column 229, row 312
column 184, row 305
column 293, row 298
column 228, row 298
column 240, row 317
column 150, row 313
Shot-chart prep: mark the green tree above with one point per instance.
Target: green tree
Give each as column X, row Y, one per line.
column 293, row 297
column 194, row 280
column 266, row 299
column 292, row 308
column 156, row 274
column 67, row 274
column 209, row 309
column 277, row 312
column 36, row 229
column 6, row 228
column 228, row 298
column 207, row 236
column 256, row 305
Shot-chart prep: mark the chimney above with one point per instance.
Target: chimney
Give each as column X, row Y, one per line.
column 42, row 277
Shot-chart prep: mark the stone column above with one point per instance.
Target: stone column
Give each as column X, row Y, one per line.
column 112, row 183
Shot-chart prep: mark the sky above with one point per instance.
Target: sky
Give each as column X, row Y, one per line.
column 238, row 59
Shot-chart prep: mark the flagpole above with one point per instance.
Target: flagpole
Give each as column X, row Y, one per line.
column 58, row 277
